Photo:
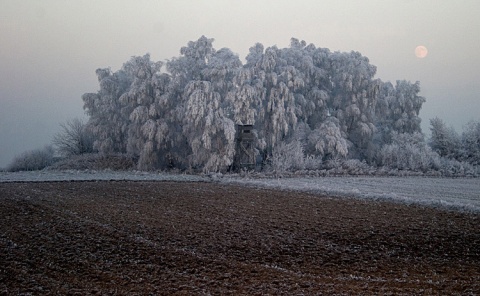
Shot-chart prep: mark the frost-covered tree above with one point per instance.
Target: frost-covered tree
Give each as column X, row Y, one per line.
column 202, row 107
column 107, row 122
column 245, row 101
column 278, row 110
column 327, row 140
column 209, row 133
column 320, row 104
column 445, row 141
column 353, row 98
column 397, row 111
column 221, row 69
column 126, row 114
column 471, row 143
column 193, row 60
column 140, row 102
column 399, row 107
column 449, row 144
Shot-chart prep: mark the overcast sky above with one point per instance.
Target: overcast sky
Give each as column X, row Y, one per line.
column 49, row 49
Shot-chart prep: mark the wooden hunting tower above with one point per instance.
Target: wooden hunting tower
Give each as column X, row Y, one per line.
column 245, row 148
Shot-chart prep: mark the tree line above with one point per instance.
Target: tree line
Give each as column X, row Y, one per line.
column 311, row 108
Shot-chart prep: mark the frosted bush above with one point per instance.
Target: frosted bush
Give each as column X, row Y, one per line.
column 471, row 143
column 312, row 162
column 408, row 152
column 454, row 168
column 74, row 138
column 32, row 160
column 356, row 167
column 96, row 161
column 288, row 157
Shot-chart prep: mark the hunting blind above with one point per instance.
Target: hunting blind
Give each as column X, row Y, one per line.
column 245, row 148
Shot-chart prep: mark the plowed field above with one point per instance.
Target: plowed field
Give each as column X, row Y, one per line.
column 168, row 238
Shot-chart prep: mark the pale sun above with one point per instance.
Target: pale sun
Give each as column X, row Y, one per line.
column 421, row 51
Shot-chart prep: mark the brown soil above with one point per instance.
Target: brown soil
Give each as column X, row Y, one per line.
column 171, row 238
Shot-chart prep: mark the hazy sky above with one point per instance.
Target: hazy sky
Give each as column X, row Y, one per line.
column 49, row 49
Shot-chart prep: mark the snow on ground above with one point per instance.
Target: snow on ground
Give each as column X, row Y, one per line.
column 460, row 194
column 91, row 175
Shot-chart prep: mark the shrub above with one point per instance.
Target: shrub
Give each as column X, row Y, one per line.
column 32, row 160
column 356, row 167
column 288, row 157
column 74, row 138
column 313, row 162
column 409, row 152
column 455, row 168
column 95, row 161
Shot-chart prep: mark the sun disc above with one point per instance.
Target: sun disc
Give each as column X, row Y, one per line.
column 421, row 51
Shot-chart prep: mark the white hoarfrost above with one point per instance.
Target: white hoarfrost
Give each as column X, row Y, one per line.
column 91, row 175
column 461, row 194
column 183, row 115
